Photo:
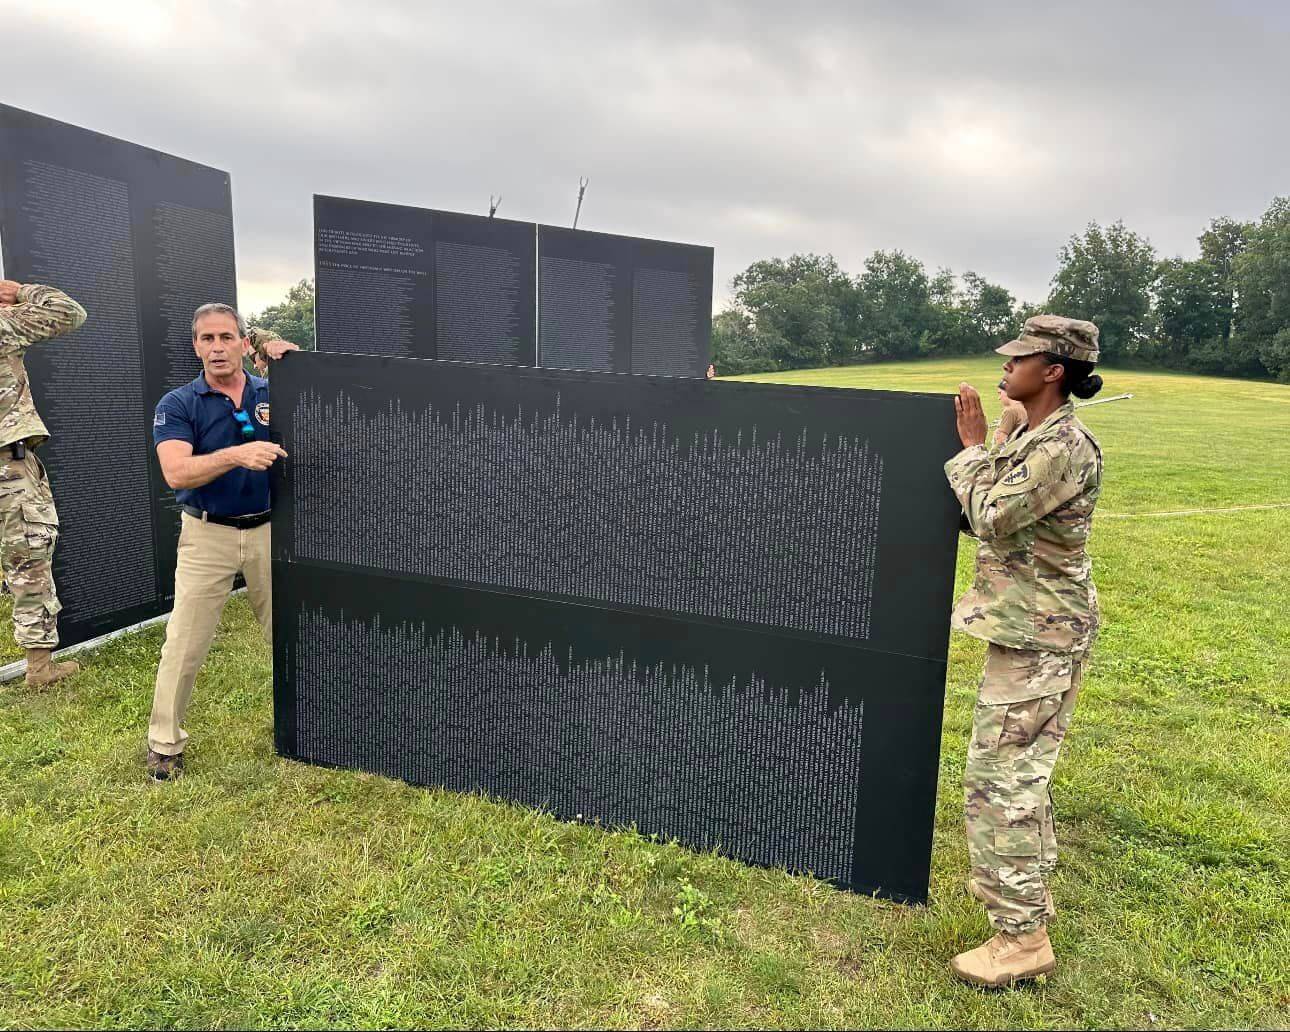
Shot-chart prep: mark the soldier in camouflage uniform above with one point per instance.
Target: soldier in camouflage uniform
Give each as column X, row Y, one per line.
column 1030, row 504
column 259, row 354
column 29, row 314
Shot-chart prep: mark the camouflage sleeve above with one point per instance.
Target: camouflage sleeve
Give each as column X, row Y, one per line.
column 969, row 471
column 260, row 337
column 1046, row 480
column 41, row 312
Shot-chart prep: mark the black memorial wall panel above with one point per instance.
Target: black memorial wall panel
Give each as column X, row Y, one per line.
column 622, row 304
column 406, row 281
column 418, row 283
column 140, row 238
column 715, row 610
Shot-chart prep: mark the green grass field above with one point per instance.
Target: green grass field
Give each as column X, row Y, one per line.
column 258, row 892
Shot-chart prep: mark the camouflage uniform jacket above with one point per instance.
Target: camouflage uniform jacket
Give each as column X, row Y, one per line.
column 41, row 313
column 1031, row 505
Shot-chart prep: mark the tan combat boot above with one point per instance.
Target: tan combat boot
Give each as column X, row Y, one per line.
column 42, row 670
column 1006, row 959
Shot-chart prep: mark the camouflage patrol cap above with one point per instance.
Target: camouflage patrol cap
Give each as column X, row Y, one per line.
column 1057, row 335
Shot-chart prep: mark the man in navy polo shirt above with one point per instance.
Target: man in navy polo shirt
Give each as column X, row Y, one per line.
column 212, row 438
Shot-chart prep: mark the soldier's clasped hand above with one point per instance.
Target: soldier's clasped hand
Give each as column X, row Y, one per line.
column 972, row 424
column 9, row 291
column 275, row 349
column 258, row 455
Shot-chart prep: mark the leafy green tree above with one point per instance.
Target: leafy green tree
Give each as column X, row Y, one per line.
column 896, row 313
column 1261, row 276
column 802, row 310
column 1193, row 305
column 945, row 330
column 292, row 318
column 1275, row 355
column 969, row 314
column 989, row 312
column 1220, row 245
column 736, row 346
column 1107, row 275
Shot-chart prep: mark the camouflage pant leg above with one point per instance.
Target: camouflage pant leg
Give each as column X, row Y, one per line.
column 28, row 533
column 1012, row 841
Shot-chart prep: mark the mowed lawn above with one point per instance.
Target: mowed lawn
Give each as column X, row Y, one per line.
column 258, row 892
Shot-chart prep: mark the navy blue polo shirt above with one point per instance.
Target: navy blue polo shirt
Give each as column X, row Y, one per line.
column 202, row 416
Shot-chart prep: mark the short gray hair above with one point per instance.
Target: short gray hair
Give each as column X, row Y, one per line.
column 218, row 308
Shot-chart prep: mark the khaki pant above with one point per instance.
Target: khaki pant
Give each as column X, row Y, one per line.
column 28, row 534
column 209, row 557
column 1023, row 711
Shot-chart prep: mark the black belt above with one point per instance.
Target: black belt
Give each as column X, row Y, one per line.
column 256, row 519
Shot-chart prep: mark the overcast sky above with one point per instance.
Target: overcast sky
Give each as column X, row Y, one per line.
column 974, row 135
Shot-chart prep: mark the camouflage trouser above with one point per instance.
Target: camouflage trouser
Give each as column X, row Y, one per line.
column 1023, row 709
column 27, row 538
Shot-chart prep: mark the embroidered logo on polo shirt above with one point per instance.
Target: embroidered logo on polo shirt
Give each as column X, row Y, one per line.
column 159, row 419
column 262, row 413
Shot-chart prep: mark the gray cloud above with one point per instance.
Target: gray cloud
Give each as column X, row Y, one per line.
column 975, row 136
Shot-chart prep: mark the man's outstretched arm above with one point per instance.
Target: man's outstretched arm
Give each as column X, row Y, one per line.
column 183, row 470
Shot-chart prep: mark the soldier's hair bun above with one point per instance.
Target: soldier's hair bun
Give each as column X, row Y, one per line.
column 1078, row 377
column 1087, row 387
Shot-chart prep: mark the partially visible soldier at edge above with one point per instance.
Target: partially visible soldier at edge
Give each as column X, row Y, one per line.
column 1030, row 503
column 29, row 313
column 259, row 356
column 1011, row 416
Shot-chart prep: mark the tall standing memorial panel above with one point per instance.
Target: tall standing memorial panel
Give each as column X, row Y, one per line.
column 140, row 239
column 716, row 611
column 623, row 304
column 412, row 282
column 418, row 283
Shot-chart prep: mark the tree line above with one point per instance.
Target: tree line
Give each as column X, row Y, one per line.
column 292, row 318
column 1226, row 311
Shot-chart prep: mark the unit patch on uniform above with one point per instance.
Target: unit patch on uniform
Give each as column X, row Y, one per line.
column 1018, row 475
column 262, row 413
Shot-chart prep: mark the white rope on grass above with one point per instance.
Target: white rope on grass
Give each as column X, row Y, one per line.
column 18, row 668
column 1102, row 401
column 1188, row 512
